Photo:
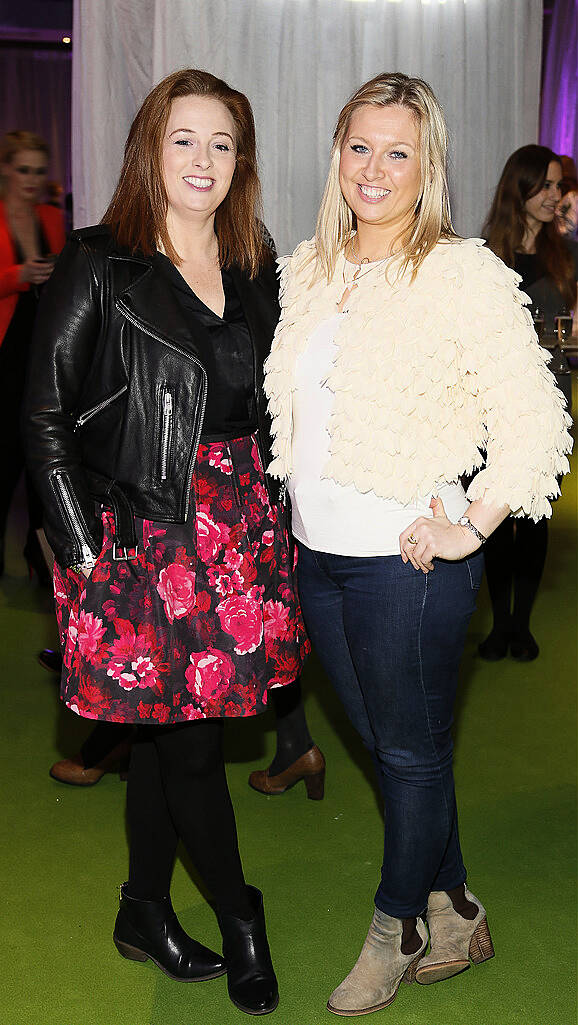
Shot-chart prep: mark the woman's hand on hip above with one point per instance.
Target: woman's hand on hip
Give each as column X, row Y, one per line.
column 437, row 537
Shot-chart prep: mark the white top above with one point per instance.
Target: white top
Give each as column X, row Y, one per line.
column 331, row 517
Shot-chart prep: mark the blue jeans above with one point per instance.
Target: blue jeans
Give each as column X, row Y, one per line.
column 390, row 639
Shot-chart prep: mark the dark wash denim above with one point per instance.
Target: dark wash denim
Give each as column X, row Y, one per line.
column 390, row 638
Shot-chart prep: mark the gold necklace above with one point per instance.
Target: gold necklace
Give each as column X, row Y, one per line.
column 359, row 273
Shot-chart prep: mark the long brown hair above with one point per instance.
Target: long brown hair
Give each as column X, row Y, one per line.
column 523, row 177
column 432, row 214
column 138, row 209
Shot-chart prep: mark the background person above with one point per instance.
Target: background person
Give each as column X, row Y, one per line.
column 176, row 607
column 521, row 230
column 390, row 368
column 567, row 213
column 31, row 233
column 567, row 209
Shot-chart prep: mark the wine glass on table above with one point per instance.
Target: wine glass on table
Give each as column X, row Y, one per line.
column 538, row 319
column 563, row 327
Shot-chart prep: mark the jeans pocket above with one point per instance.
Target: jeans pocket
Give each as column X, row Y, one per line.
column 475, row 568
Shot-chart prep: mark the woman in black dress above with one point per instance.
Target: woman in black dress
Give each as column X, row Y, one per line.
column 147, row 436
column 31, row 232
column 521, row 230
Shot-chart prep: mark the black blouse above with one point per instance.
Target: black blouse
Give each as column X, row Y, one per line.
column 226, row 352
column 528, row 267
column 541, row 288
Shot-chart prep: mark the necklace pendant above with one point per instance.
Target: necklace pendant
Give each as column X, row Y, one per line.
column 345, row 296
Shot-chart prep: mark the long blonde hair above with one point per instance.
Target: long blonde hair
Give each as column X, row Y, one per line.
column 336, row 222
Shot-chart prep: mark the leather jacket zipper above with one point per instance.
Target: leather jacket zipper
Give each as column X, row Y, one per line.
column 166, row 432
column 72, row 514
column 200, row 411
column 89, row 413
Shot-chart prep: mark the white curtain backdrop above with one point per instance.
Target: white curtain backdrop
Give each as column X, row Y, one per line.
column 298, row 61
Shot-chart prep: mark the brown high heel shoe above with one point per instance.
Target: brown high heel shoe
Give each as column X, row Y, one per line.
column 74, row 772
column 310, row 768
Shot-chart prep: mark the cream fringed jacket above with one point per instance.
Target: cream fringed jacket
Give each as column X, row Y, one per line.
column 426, row 375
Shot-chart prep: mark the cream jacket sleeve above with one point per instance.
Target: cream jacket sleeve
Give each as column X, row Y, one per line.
column 522, row 412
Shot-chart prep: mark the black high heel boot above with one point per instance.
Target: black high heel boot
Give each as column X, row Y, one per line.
column 150, row 928
column 250, row 975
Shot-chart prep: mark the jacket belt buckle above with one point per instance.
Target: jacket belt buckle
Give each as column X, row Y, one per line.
column 122, row 554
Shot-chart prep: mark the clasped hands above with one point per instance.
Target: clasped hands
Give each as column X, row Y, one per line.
column 437, row 537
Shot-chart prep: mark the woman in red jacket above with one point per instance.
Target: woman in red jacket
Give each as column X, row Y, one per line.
column 31, row 233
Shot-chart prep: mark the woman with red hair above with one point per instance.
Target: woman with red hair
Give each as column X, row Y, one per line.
column 176, row 602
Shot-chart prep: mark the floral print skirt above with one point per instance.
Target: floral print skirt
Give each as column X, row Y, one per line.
column 202, row 622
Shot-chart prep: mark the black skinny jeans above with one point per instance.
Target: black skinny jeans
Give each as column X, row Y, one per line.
column 177, row 790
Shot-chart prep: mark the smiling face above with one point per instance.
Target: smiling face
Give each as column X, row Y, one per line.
column 379, row 169
column 25, row 175
column 541, row 208
column 198, row 156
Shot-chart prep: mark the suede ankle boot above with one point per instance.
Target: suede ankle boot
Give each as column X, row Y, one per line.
column 150, row 929
column 455, row 940
column 375, row 978
column 251, row 978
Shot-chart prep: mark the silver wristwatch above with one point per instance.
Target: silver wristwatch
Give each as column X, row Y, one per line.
column 465, row 522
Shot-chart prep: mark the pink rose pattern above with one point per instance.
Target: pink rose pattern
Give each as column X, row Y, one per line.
column 176, row 587
column 202, row 622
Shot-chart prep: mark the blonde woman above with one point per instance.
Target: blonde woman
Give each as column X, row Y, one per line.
column 31, row 233
column 388, row 373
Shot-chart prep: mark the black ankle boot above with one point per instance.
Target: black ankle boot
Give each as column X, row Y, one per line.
column 251, row 977
column 150, row 928
column 495, row 646
column 523, row 646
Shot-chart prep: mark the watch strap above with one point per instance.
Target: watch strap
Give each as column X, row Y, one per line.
column 465, row 522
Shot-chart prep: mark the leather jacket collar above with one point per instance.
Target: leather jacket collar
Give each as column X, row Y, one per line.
column 149, row 302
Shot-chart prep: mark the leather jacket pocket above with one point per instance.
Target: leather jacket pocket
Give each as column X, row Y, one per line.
column 88, row 414
column 165, row 421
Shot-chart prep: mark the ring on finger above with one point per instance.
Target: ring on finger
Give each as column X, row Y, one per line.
column 412, row 540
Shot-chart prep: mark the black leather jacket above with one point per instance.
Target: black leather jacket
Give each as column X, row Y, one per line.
column 110, row 345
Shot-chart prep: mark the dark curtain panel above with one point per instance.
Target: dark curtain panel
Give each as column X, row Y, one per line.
column 35, row 95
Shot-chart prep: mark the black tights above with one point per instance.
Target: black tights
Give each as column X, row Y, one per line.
column 515, row 555
column 293, row 737
column 177, row 790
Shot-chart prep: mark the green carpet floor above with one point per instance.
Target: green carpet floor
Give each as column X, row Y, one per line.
column 64, row 850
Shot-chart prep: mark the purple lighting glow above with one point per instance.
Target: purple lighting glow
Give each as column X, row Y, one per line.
column 559, row 113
